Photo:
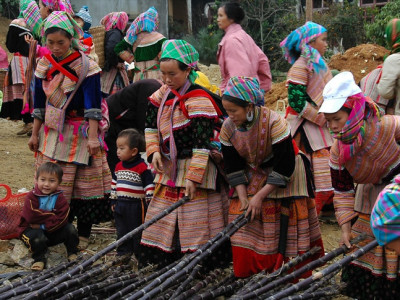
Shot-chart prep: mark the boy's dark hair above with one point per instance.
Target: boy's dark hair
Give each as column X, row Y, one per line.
column 234, row 11
column 135, row 139
column 50, row 168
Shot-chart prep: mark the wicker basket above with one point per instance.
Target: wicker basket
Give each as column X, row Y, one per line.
column 2, row 77
column 98, row 34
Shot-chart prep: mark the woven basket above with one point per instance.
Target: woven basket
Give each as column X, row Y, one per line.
column 98, row 34
column 2, row 77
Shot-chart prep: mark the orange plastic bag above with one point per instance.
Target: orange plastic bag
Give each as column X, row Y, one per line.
column 10, row 212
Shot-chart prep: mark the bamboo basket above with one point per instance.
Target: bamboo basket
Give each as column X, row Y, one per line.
column 2, row 77
column 98, row 34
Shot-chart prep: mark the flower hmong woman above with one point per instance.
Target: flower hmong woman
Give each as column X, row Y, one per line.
column 304, row 49
column 114, row 76
column 366, row 152
column 270, row 180
column 142, row 44
column 75, row 144
column 179, row 130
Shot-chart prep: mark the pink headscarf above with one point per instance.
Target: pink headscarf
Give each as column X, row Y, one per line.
column 114, row 20
column 59, row 5
column 3, row 59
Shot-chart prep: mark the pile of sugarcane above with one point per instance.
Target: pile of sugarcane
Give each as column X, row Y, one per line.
column 182, row 279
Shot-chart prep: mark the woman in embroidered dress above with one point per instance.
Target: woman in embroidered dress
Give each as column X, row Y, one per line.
column 366, row 151
column 114, row 76
column 78, row 144
column 304, row 48
column 35, row 14
column 145, row 43
column 14, row 83
column 238, row 54
column 179, row 129
column 270, row 180
column 389, row 86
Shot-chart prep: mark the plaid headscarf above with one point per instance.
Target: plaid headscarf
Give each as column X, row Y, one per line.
column 113, row 20
column 246, row 89
column 61, row 19
column 351, row 136
column 59, row 5
column 392, row 33
column 182, row 51
column 147, row 21
column 296, row 45
column 385, row 216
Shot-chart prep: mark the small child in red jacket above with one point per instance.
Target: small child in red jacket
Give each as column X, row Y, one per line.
column 44, row 218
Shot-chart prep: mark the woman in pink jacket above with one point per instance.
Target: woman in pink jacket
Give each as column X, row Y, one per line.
column 238, row 54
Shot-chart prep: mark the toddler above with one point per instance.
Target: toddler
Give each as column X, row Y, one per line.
column 44, row 218
column 132, row 188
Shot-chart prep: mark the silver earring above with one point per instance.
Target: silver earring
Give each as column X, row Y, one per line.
column 249, row 116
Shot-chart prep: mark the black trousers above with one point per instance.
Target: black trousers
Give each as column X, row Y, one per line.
column 38, row 240
column 128, row 216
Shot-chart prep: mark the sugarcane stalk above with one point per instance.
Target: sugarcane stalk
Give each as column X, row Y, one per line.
column 209, row 294
column 297, row 273
column 206, row 281
column 112, row 246
column 228, row 285
column 188, row 280
column 318, row 275
column 261, row 280
column 35, row 277
column 321, row 293
column 130, row 288
column 75, row 281
column 183, row 267
column 320, row 283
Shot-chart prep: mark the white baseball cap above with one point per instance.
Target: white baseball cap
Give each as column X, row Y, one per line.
column 337, row 90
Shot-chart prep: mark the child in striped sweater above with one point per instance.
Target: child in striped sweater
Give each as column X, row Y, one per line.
column 132, row 188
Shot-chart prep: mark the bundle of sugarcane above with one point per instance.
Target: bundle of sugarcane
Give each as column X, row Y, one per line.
column 318, row 275
column 125, row 291
column 220, row 288
column 188, row 262
column 297, row 273
column 82, row 266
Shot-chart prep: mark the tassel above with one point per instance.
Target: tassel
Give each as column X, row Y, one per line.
column 61, row 137
column 171, row 183
column 26, row 109
column 46, row 129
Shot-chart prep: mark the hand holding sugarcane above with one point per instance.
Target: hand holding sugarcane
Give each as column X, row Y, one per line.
column 190, row 187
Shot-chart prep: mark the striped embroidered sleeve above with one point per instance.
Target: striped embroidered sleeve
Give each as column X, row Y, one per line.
column 397, row 128
column 311, row 114
column 343, row 199
column 198, row 165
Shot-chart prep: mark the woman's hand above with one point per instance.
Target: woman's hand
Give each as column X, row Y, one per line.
column 244, row 203
column 29, row 38
column 33, row 142
column 126, row 56
column 93, row 146
column 346, row 234
column 254, row 208
column 190, row 187
column 157, row 162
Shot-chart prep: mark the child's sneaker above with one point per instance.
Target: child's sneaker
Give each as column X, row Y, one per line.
column 72, row 257
column 37, row 266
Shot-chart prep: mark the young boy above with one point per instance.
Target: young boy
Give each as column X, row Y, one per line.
column 132, row 188
column 385, row 217
column 44, row 218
